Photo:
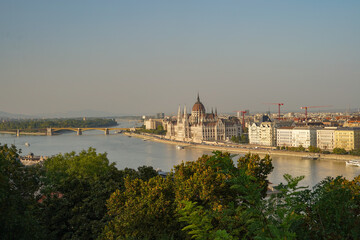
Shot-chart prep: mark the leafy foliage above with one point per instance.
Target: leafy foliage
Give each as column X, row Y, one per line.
column 144, row 210
column 333, row 210
column 18, row 186
column 75, row 193
column 47, row 123
column 355, row 152
column 242, row 139
column 314, row 149
column 159, row 130
column 294, row 149
column 83, row 196
column 258, row 168
column 340, row 151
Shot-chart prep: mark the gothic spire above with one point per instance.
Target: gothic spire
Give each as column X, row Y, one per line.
column 198, row 98
column 179, row 114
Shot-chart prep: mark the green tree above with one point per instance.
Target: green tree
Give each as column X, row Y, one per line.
column 209, row 194
column 301, row 149
column 314, row 149
column 257, row 167
column 244, row 138
column 241, row 188
column 275, row 217
column 18, row 188
column 340, row 151
column 75, row 193
column 355, row 152
column 235, row 139
column 332, row 210
column 205, row 181
column 144, row 210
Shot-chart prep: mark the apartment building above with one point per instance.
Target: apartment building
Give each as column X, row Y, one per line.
column 284, row 136
column 303, row 136
column 264, row 133
column 153, row 123
column 347, row 138
column 325, row 138
column 254, row 133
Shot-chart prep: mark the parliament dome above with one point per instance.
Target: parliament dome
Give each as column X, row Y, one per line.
column 198, row 106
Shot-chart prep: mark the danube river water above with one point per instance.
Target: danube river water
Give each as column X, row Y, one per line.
column 134, row 152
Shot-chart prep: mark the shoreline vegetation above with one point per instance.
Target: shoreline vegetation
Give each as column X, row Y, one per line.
column 37, row 127
column 242, row 148
column 84, row 196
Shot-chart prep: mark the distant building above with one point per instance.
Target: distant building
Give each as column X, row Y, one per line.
column 284, row 137
column 264, row 133
column 200, row 126
column 326, row 138
column 153, row 123
column 303, row 136
column 254, row 133
column 160, row 115
column 347, row 138
column 352, row 123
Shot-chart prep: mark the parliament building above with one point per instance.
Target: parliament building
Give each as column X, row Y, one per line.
column 200, row 126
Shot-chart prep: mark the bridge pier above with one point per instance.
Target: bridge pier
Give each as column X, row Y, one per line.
column 49, row 132
column 106, row 131
column 79, row 132
column 18, row 132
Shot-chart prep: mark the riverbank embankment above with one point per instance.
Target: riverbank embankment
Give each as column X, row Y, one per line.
column 241, row 149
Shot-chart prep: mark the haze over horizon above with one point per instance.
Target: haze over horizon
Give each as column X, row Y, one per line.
column 139, row 57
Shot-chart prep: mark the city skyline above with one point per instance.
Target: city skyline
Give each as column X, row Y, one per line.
column 147, row 57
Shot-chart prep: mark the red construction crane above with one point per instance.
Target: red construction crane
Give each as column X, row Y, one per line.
column 279, row 105
column 243, row 119
column 306, row 108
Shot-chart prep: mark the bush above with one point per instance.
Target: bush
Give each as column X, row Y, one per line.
column 314, row 149
column 355, row 152
column 340, row 151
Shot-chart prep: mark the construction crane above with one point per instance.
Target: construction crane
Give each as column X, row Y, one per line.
column 279, row 105
column 243, row 118
column 306, row 108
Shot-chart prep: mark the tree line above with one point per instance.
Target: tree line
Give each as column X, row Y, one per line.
column 84, row 196
column 313, row 149
column 61, row 123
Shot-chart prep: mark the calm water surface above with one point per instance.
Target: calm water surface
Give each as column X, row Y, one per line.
column 133, row 152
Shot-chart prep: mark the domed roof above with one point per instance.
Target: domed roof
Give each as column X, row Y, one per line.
column 198, row 106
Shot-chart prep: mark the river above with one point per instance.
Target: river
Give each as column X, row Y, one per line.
column 134, row 152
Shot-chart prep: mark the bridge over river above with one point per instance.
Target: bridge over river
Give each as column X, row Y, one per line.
column 52, row 131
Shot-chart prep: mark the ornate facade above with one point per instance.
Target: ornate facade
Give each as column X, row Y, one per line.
column 200, row 126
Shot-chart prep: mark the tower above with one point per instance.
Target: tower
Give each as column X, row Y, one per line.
column 179, row 115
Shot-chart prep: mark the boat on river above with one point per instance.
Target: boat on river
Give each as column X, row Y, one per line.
column 179, row 147
column 355, row 162
column 312, row 157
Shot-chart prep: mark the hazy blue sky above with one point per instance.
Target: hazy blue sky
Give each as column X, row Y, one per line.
column 150, row 56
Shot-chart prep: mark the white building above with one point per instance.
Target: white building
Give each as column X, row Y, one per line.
column 284, row 136
column 265, row 133
column 326, row 138
column 303, row 136
column 254, row 133
column 153, row 123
